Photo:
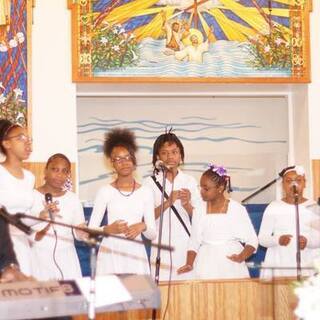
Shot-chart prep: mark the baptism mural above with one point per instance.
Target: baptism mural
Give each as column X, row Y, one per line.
column 234, row 132
column 14, row 28
column 191, row 40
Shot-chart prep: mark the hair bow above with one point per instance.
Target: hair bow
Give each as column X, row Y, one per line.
column 219, row 170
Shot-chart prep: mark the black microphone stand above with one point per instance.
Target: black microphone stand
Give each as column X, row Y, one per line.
column 269, row 184
column 158, row 258
column 297, row 216
column 15, row 221
column 94, row 243
column 266, row 186
column 95, row 238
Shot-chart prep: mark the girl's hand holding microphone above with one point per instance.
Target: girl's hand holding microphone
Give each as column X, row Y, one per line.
column 50, row 210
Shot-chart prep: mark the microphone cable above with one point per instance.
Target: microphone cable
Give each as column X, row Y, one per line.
column 55, row 251
column 48, row 199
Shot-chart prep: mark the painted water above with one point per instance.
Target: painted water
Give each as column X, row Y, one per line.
column 224, row 59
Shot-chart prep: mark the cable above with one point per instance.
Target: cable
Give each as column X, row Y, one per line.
column 54, row 252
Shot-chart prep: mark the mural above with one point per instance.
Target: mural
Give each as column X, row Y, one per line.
column 235, row 132
column 195, row 40
column 14, row 60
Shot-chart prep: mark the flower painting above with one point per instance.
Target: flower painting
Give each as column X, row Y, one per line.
column 195, row 40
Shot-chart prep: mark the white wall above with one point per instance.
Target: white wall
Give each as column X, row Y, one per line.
column 53, row 94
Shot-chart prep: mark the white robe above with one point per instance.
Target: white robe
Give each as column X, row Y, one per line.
column 279, row 219
column 173, row 232
column 16, row 195
column 71, row 212
column 117, row 255
column 193, row 53
column 216, row 236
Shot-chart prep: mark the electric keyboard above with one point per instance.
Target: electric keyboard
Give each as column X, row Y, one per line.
column 34, row 299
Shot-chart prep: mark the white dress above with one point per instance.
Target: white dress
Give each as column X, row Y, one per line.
column 71, row 212
column 279, row 219
column 117, row 255
column 216, row 236
column 16, row 195
column 178, row 238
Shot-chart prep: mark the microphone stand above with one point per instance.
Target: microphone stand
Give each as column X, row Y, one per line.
column 15, row 221
column 95, row 242
column 297, row 216
column 95, row 238
column 158, row 258
column 269, row 184
column 280, row 175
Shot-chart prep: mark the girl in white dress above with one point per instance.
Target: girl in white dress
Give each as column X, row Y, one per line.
column 222, row 237
column 278, row 229
column 16, row 185
column 129, row 208
column 183, row 194
column 53, row 248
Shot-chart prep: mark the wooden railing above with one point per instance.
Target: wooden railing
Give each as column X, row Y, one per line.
column 249, row 299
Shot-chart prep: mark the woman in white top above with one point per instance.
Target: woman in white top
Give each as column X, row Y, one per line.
column 222, row 236
column 129, row 208
column 53, row 248
column 278, row 228
column 183, row 194
column 16, row 184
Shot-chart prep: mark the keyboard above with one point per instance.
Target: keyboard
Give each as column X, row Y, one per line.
column 35, row 299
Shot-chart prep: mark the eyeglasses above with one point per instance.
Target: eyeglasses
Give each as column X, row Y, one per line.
column 122, row 159
column 21, row 137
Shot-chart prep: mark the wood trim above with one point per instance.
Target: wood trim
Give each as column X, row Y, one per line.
column 306, row 39
column 74, row 43
column 70, row 4
column 248, row 299
column 316, row 178
column 37, row 168
column 78, row 79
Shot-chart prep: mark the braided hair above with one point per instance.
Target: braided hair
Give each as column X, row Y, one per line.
column 167, row 137
column 120, row 137
column 218, row 175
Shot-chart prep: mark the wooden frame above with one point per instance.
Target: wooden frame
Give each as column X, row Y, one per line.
column 125, row 41
column 316, row 178
column 15, row 60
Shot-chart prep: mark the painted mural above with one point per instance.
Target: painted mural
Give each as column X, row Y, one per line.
column 13, row 60
column 212, row 40
column 243, row 134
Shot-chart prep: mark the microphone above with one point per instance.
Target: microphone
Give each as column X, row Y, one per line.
column 294, row 185
column 160, row 165
column 48, row 199
column 14, row 220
